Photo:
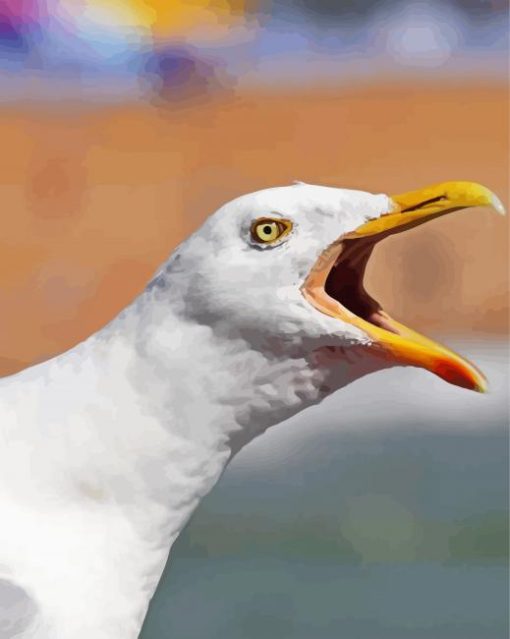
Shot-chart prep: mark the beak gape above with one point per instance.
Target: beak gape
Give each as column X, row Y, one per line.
column 335, row 283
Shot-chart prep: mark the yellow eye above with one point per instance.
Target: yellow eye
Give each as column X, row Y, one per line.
column 269, row 230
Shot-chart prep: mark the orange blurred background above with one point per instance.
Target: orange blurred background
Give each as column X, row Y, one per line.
column 95, row 196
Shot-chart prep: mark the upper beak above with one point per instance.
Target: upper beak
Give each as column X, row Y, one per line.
column 416, row 207
column 392, row 340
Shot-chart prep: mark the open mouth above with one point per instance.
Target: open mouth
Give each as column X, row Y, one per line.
column 335, row 284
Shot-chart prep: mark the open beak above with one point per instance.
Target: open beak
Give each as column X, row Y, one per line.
column 335, row 284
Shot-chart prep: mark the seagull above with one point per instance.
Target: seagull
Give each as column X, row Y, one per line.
column 107, row 449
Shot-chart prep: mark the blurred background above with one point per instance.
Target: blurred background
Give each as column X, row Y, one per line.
column 124, row 123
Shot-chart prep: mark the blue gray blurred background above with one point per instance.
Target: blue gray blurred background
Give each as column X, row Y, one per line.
column 381, row 514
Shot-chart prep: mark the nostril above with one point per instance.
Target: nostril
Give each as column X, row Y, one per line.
column 420, row 205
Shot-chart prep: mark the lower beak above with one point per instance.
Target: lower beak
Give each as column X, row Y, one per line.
column 390, row 339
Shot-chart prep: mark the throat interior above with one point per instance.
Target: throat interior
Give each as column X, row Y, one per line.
column 345, row 283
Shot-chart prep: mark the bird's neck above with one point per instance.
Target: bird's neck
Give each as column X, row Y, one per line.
column 133, row 427
column 182, row 400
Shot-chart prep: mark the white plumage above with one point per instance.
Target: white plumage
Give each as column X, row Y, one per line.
column 106, row 450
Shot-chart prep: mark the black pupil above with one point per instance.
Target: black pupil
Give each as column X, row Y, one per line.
column 267, row 229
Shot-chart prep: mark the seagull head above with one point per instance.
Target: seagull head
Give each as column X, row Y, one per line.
column 283, row 269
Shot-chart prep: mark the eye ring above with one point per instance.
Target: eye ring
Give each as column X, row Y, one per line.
column 268, row 230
